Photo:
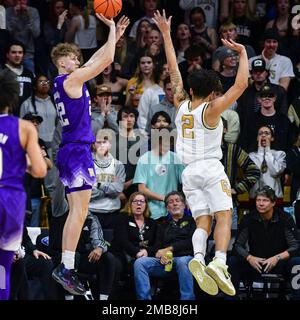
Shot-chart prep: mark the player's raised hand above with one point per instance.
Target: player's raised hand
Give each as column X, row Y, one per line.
column 122, row 24
column 233, row 45
column 109, row 22
column 162, row 22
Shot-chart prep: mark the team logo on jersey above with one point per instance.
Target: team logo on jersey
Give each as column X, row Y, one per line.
column 161, row 169
column 226, row 187
column 91, row 172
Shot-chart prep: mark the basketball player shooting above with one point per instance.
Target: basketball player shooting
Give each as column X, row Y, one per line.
column 198, row 145
column 74, row 159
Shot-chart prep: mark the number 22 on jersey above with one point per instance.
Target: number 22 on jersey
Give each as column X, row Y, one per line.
column 188, row 126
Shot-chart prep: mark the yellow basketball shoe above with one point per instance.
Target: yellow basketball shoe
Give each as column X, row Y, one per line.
column 218, row 271
column 205, row 282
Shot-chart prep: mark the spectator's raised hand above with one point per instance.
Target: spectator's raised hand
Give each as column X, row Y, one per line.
column 122, row 24
column 233, row 45
column 161, row 21
column 61, row 19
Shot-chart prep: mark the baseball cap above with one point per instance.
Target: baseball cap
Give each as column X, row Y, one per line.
column 258, row 65
column 225, row 53
column 103, row 89
column 266, row 91
column 33, row 116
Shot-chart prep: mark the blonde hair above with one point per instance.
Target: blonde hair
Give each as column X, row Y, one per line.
column 127, row 209
column 63, row 50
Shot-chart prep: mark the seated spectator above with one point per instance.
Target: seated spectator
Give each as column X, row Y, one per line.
column 248, row 103
column 266, row 243
column 235, row 158
column 104, row 114
column 280, row 67
column 29, row 263
column 284, row 130
column 136, row 234
column 110, row 177
column 94, row 257
column 176, row 237
column 158, row 172
column 272, row 163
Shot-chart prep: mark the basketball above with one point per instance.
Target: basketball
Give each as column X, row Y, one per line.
column 109, row 8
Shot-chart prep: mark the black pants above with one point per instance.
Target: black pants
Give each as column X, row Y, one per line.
column 105, row 270
column 240, row 269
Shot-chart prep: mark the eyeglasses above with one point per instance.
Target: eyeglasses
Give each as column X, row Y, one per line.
column 138, row 201
column 266, row 133
column 44, row 81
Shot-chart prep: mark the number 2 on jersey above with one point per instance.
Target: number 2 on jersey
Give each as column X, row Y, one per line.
column 188, row 126
column 1, row 163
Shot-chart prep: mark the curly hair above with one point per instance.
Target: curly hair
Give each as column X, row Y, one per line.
column 63, row 50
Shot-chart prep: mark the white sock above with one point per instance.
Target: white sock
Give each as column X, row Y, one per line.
column 63, row 257
column 68, row 259
column 103, row 296
column 221, row 255
column 199, row 244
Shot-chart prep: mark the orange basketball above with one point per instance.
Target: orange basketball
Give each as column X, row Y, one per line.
column 109, row 8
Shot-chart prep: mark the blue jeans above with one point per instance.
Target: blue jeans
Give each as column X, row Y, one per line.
column 35, row 217
column 147, row 266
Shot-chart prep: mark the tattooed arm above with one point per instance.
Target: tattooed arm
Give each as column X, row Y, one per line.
column 164, row 26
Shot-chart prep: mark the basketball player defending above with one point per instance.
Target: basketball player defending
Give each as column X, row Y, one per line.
column 198, row 145
column 17, row 137
column 74, row 159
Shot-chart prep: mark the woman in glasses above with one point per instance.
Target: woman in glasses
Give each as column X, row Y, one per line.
column 41, row 103
column 272, row 163
column 136, row 234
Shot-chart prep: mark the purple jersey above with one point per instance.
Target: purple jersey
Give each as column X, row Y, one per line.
column 12, row 155
column 74, row 114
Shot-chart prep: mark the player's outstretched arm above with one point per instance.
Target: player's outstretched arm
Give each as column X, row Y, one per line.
column 217, row 106
column 164, row 25
column 99, row 60
column 29, row 140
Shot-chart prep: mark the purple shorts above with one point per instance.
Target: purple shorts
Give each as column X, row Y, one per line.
column 76, row 166
column 12, row 215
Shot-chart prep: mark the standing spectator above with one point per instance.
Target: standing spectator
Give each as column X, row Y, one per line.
column 23, row 22
column 14, row 62
column 110, row 177
column 228, row 63
column 182, row 40
column 177, row 238
column 284, row 130
column 266, row 243
column 158, row 172
column 280, row 67
column 272, row 163
column 103, row 113
column 248, row 103
column 210, row 8
column 41, row 102
column 82, row 28
column 149, row 7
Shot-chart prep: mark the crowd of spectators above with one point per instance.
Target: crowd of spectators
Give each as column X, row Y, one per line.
column 133, row 120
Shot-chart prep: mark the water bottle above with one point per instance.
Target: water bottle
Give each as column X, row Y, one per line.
column 169, row 265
